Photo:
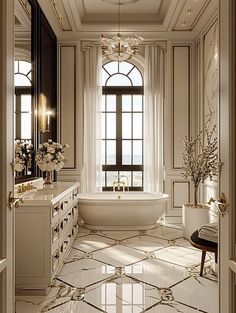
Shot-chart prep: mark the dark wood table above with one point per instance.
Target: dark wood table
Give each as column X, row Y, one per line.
column 205, row 246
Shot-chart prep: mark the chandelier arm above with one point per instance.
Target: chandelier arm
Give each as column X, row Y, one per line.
column 120, row 48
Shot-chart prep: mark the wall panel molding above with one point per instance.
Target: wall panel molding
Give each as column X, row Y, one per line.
column 180, row 102
column 68, row 103
column 180, row 193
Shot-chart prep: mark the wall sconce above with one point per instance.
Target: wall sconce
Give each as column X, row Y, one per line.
column 44, row 115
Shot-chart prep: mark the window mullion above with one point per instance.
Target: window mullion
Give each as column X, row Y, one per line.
column 18, row 116
column 105, row 119
column 119, row 129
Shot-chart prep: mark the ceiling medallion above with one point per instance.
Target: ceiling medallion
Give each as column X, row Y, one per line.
column 119, row 48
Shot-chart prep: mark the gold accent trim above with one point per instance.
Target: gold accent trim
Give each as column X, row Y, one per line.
column 59, row 16
column 24, row 6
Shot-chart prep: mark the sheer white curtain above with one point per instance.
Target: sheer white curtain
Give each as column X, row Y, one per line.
column 153, row 118
column 91, row 179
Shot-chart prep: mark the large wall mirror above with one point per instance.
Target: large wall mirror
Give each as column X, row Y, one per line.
column 24, row 104
column 35, row 75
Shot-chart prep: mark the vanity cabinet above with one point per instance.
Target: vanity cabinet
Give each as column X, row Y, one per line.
column 46, row 226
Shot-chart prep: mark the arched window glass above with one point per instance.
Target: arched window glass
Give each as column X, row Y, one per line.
column 22, row 80
column 118, row 80
column 23, row 118
column 122, row 121
column 23, row 73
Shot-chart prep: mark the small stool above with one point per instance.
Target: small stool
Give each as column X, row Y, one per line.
column 205, row 246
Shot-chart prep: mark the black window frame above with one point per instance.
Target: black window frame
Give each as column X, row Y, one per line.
column 118, row 91
column 20, row 91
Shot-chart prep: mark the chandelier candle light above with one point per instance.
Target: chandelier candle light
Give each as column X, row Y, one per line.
column 120, row 48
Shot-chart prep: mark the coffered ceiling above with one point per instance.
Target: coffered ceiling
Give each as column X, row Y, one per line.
column 152, row 19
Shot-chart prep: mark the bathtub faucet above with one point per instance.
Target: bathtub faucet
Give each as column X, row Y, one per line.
column 120, row 183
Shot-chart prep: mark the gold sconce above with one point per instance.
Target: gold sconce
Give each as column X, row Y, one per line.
column 44, row 114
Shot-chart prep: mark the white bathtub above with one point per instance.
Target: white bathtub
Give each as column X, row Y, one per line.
column 121, row 210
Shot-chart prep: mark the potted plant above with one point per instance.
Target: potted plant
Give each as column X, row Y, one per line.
column 200, row 162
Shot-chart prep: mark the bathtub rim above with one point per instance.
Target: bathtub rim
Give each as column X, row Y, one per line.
column 83, row 197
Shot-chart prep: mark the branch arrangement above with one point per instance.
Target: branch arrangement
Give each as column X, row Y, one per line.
column 200, row 158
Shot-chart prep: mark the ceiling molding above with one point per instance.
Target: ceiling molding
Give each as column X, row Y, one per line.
column 190, row 14
column 23, row 16
column 76, row 19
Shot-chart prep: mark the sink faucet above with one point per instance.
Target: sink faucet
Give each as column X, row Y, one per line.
column 120, row 183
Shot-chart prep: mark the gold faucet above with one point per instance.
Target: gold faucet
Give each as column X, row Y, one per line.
column 23, row 188
column 118, row 184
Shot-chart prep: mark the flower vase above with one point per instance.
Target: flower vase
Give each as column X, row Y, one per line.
column 48, row 178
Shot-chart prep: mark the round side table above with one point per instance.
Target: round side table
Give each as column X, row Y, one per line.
column 205, row 246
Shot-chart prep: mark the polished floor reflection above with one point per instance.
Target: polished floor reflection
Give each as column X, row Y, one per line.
column 154, row 271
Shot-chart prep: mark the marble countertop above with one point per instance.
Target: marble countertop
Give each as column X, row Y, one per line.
column 48, row 194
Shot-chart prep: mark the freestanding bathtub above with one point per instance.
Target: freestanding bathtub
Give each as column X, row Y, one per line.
column 121, row 210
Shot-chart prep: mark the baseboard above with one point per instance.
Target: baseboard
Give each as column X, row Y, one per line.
column 172, row 219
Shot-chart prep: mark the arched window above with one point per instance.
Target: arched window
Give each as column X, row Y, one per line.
column 122, row 120
column 23, row 100
column 23, row 73
column 23, row 121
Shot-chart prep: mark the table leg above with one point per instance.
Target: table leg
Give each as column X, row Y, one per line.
column 202, row 262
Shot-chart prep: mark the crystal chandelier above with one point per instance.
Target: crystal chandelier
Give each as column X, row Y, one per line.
column 119, row 48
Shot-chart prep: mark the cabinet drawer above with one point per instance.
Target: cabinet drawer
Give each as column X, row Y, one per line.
column 55, row 233
column 55, row 210
column 64, row 245
column 66, row 202
column 75, row 193
column 55, row 260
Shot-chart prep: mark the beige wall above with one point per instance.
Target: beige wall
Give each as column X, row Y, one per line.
column 208, row 87
column 191, row 95
column 179, row 122
column 70, row 113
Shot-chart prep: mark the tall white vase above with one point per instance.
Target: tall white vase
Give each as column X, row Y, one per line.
column 193, row 218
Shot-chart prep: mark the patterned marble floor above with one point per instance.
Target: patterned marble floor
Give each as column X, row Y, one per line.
column 154, row 271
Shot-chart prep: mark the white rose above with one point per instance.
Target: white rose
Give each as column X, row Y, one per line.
column 17, row 159
column 61, row 157
column 38, row 157
column 50, row 150
column 18, row 167
column 59, row 166
column 17, row 148
column 48, row 157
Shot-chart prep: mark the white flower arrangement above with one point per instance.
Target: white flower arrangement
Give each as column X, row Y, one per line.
column 200, row 160
column 50, row 156
column 23, row 155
